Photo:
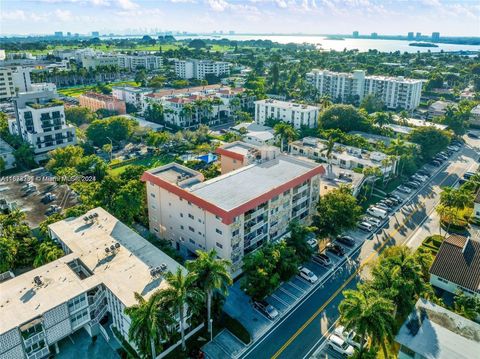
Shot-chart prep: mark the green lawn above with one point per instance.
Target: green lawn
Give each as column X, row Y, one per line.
column 149, row 162
column 76, row 91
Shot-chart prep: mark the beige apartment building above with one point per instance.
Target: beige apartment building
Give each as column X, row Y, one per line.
column 96, row 101
column 252, row 203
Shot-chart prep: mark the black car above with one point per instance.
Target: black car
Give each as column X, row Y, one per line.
column 424, row 173
column 436, row 163
column 267, row 309
column 472, row 135
column 347, row 240
column 336, row 249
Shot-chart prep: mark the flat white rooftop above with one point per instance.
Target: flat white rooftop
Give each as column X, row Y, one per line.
column 247, row 183
column 124, row 272
column 287, row 105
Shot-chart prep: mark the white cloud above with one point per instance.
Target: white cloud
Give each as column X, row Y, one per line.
column 127, row 4
column 13, row 15
column 63, row 15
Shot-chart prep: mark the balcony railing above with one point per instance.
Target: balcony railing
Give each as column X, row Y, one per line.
column 34, row 339
column 42, row 353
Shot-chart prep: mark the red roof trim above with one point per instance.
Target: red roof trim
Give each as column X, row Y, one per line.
column 225, row 152
column 228, row 216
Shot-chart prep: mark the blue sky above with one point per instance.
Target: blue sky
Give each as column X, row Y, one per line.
column 450, row 17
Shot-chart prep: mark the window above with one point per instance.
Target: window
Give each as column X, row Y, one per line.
column 189, row 203
column 182, row 227
column 191, row 229
column 218, row 231
column 191, row 241
column 152, row 194
column 219, row 245
column 181, row 215
column 191, row 216
column 235, row 232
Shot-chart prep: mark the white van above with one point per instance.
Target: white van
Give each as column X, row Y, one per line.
column 377, row 212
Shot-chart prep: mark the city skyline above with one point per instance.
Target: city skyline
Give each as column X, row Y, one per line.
column 457, row 18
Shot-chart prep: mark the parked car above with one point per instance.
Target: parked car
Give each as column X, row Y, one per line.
column 49, row 197
column 322, row 259
column 267, row 309
column 453, row 148
column 396, row 198
column 347, row 240
column 436, row 163
column 412, row 184
column 404, row 189
column 419, row 178
column 348, row 335
column 312, row 243
column 390, row 202
column 365, row 226
column 468, row 175
column 424, row 173
column 472, row 135
column 372, row 220
column 377, row 212
column 384, row 206
column 308, row 275
column 339, row 345
column 336, row 249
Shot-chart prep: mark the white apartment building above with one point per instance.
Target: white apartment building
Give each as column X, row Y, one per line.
column 40, row 121
column 105, row 263
column 14, row 80
column 258, row 194
column 132, row 95
column 343, row 156
column 342, row 86
column 198, row 69
column 395, row 92
column 134, row 62
column 298, row 115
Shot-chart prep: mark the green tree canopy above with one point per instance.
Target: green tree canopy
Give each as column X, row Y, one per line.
column 345, row 118
column 430, row 139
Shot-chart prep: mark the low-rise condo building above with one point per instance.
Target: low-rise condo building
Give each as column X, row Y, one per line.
column 298, row 115
column 238, row 211
column 97, row 101
column 347, row 157
column 395, row 92
column 105, row 263
column 135, row 62
column 132, row 95
column 40, row 121
column 255, row 134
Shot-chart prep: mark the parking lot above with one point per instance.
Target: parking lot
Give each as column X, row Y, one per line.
column 25, row 191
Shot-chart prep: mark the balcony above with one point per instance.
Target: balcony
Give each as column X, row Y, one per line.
column 42, row 353
column 34, row 339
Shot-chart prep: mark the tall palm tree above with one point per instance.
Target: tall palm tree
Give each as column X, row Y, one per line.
column 328, row 150
column 381, row 119
column 150, row 323
column 212, row 274
column 325, row 101
column 182, row 296
column 286, row 132
column 48, row 251
column 368, row 314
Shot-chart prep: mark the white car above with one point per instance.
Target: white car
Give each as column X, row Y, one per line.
column 308, row 275
column 404, row 189
column 340, row 345
column 349, row 336
column 372, row 220
column 312, row 243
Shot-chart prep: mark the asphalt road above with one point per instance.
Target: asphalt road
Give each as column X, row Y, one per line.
column 304, row 328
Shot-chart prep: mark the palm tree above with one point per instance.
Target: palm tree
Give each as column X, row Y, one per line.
column 381, row 119
column 286, row 133
column 182, row 295
column 48, row 251
column 325, row 101
column 328, row 150
column 446, row 213
column 369, row 314
column 150, row 323
column 212, row 274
